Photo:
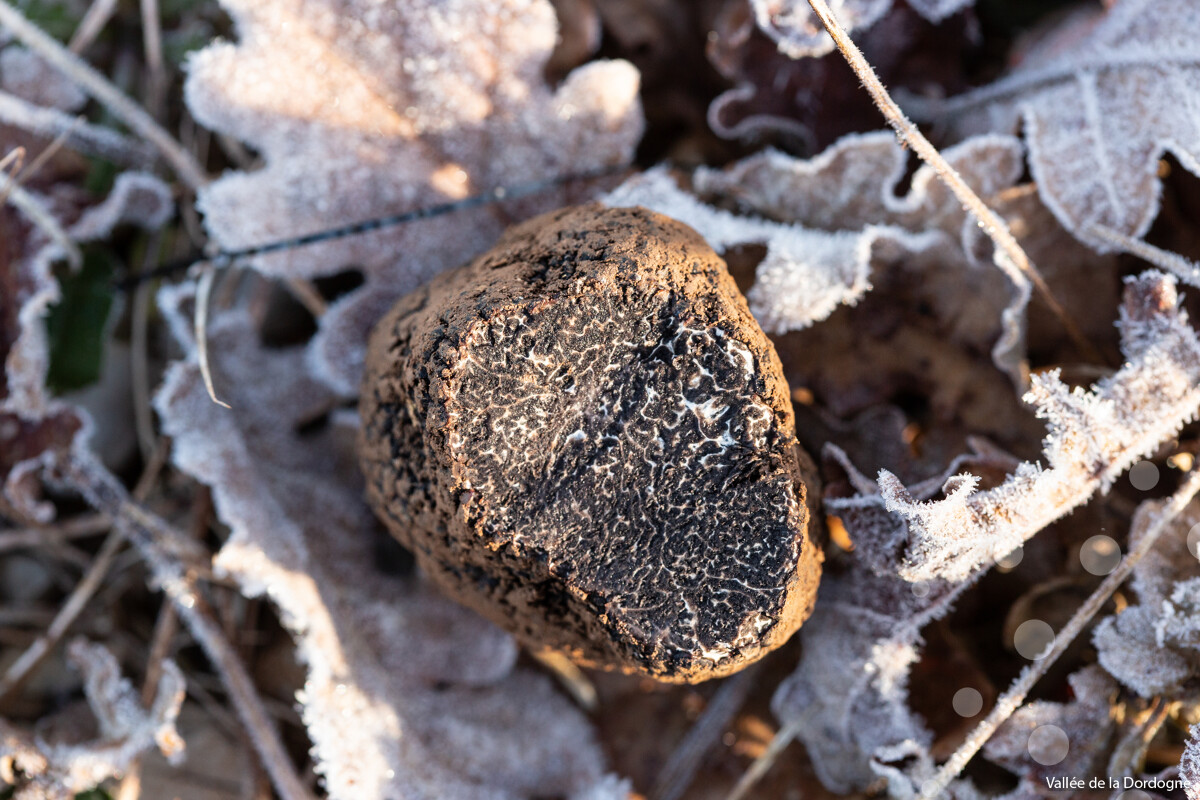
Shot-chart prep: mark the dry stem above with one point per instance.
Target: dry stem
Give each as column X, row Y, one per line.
column 99, row 87
column 155, row 540
column 1009, row 257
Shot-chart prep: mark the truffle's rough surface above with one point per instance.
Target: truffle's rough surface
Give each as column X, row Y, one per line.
column 584, row 435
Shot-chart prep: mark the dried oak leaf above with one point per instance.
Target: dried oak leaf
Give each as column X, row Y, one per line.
column 408, row 694
column 826, row 222
column 361, row 110
column 810, row 102
column 1093, row 437
column 1101, row 98
column 798, row 33
column 35, row 428
column 60, row 764
column 914, row 557
column 1152, row 646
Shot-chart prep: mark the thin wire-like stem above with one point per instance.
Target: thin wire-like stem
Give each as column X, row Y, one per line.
column 92, row 24
column 1010, row 256
column 139, row 348
column 156, row 541
column 99, row 87
column 1012, row 699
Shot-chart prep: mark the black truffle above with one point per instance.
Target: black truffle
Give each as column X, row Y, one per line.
column 584, row 435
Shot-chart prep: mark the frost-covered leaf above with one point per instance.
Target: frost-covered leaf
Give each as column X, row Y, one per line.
column 35, row 428
column 361, row 110
column 827, row 221
column 850, row 689
column 24, row 74
column 798, row 32
column 1151, row 647
column 913, row 557
column 59, row 764
column 1093, row 437
column 1086, row 720
column 1101, row 98
column 408, row 694
column 1189, row 767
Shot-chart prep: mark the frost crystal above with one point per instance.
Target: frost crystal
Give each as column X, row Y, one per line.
column 1093, row 437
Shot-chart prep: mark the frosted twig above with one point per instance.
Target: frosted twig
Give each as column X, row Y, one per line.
column 679, row 771
column 1185, row 269
column 99, row 87
column 200, row 323
column 1010, row 257
column 81, row 135
column 1008, row 703
column 153, row 538
column 307, row 294
column 152, row 36
column 39, row 215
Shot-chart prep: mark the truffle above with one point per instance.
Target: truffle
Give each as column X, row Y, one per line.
column 584, row 435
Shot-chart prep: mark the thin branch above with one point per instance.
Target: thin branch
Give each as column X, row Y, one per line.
column 155, row 539
column 1010, row 257
column 1012, row 699
column 680, row 770
column 1186, row 270
column 152, row 39
column 37, row 536
column 99, row 87
column 93, row 22
column 307, row 294
column 139, row 348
